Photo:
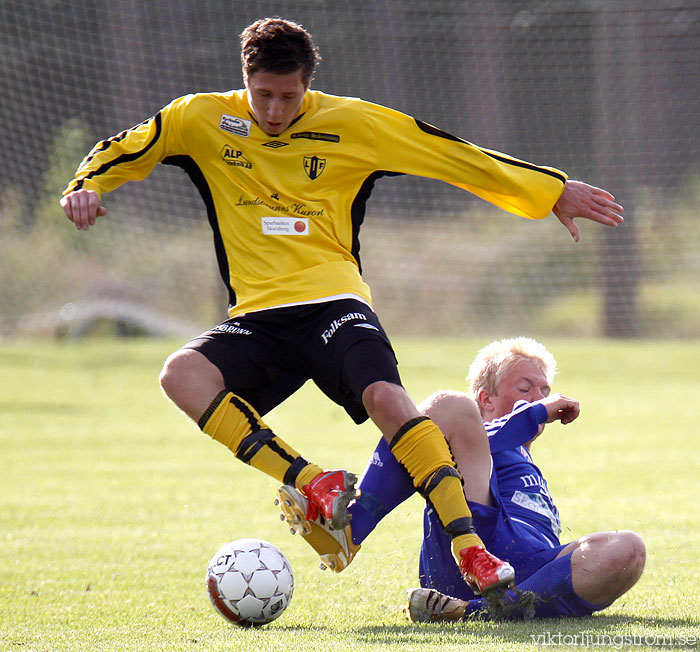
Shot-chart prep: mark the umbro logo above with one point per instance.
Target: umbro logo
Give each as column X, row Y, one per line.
column 275, row 144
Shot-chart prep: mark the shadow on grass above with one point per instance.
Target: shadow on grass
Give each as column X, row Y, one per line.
column 591, row 631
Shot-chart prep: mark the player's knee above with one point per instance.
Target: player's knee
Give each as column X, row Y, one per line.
column 632, row 555
column 447, row 400
column 182, row 371
column 470, row 410
column 169, row 378
column 623, row 556
column 447, row 408
column 191, row 382
column 389, row 406
column 381, row 396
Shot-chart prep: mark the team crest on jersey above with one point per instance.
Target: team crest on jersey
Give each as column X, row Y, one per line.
column 235, row 125
column 235, row 157
column 314, row 166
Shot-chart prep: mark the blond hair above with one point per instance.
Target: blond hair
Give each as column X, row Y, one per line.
column 494, row 361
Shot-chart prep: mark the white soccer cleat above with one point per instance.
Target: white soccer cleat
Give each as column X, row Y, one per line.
column 431, row 606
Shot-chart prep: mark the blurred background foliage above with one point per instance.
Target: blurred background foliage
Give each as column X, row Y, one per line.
column 605, row 91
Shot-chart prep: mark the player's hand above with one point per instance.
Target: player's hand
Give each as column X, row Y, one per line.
column 561, row 408
column 82, row 207
column 578, row 199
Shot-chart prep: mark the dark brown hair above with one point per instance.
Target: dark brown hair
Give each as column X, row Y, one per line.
column 278, row 46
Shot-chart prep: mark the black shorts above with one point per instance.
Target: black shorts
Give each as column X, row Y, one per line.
column 268, row 355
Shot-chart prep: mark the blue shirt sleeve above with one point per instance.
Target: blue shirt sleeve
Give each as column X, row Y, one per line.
column 516, row 428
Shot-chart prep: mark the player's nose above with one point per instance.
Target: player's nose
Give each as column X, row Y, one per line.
column 274, row 109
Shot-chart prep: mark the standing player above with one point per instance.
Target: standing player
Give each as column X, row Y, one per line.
column 285, row 173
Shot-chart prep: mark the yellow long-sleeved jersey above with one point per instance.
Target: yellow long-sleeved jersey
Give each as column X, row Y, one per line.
column 286, row 210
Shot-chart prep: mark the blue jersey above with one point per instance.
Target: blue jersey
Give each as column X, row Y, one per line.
column 522, row 489
column 522, row 527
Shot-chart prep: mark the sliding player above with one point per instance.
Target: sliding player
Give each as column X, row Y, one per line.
column 285, row 173
column 509, row 498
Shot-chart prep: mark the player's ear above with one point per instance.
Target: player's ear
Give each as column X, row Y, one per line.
column 483, row 398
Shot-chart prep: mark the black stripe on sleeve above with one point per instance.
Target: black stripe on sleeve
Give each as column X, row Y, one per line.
column 124, row 158
column 434, row 131
column 102, row 146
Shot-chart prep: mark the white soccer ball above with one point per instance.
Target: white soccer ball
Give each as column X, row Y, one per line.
column 250, row 582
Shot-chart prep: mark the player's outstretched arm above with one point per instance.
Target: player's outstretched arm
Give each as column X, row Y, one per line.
column 82, row 207
column 578, row 199
column 561, row 408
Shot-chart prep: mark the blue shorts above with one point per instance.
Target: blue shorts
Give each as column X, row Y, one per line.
column 526, row 547
column 439, row 571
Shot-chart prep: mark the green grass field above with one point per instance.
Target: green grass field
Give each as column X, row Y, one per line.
column 112, row 503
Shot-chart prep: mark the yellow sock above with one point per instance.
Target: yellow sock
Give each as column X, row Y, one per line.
column 307, row 474
column 423, row 451
column 236, row 424
column 464, row 541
